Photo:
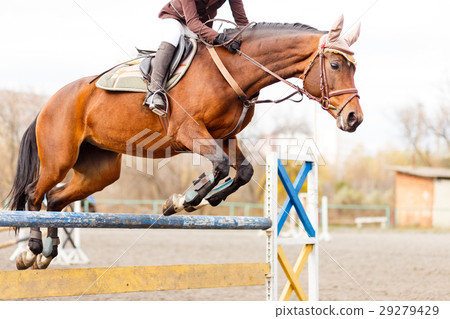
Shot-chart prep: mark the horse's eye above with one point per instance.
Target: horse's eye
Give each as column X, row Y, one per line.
column 335, row 66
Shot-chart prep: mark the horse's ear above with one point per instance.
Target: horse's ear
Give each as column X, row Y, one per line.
column 354, row 35
column 336, row 29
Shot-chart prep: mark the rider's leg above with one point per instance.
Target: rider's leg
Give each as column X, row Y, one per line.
column 155, row 98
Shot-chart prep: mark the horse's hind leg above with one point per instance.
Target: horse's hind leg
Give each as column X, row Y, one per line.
column 53, row 169
column 49, row 251
column 49, row 247
column 36, row 191
column 94, row 170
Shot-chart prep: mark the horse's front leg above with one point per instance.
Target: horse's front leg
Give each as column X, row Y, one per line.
column 199, row 141
column 244, row 173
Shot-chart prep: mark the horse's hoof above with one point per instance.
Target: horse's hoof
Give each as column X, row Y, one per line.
column 167, row 211
column 191, row 209
column 35, row 245
column 214, row 200
column 42, row 262
column 25, row 260
column 47, row 247
column 173, row 205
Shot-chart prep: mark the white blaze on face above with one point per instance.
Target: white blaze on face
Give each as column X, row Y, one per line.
column 340, row 122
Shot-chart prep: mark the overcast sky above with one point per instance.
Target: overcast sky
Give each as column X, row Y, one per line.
column 402, row 54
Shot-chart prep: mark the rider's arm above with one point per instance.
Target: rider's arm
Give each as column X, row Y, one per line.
column 237, row 7
column 193, row 21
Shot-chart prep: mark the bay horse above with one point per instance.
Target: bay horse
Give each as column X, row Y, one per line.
column 87, row 129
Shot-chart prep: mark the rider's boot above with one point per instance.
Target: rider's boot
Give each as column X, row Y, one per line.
column 156, row 99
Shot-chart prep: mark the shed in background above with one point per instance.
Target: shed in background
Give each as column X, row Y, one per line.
column 422, row 196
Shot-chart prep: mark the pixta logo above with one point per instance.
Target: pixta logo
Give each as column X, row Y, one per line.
column 144, row 145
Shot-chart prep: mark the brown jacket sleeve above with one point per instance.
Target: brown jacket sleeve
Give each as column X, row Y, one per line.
column 193, row 21
column 187, row 11
column 237, row 7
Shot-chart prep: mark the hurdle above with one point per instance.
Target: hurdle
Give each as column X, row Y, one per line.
column 109, row 280
column 73, row 282
column 309, row 221
column 130, row 221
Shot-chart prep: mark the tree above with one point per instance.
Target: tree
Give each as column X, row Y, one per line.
column 17, row 111
column 413, row 125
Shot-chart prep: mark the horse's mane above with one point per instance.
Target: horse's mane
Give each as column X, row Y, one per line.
column 263, row 28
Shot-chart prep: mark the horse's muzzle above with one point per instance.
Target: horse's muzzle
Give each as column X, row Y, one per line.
column 349, row 122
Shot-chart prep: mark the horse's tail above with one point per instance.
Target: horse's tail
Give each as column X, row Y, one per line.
column 28, row 165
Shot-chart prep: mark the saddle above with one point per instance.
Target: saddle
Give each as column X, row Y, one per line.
column 184, row 47
column 132, row 76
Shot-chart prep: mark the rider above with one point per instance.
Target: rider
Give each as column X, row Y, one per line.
column 186, row 17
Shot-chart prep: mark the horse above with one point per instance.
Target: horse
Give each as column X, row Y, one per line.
column 86, row 129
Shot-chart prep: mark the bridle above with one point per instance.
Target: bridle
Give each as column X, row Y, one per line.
column 324, row 100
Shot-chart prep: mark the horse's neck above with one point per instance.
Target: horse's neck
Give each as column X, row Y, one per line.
column 287, row 56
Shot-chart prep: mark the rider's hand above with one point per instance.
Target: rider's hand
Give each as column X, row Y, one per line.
column 232, row 47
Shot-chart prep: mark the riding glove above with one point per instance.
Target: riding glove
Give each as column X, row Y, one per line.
column 232, row 47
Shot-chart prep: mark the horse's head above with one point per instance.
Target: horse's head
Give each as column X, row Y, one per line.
column 329, row 77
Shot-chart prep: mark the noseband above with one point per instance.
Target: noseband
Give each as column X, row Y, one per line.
column 324, row 100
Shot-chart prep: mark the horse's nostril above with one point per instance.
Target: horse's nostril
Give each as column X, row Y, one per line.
column 352, row 119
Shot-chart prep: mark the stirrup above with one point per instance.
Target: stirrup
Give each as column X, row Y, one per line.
column 155, row 109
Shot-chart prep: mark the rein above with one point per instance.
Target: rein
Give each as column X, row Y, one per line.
column 247, row 103
column 298, row 89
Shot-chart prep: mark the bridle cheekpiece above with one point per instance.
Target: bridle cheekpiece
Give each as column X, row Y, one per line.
column 324, row 100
